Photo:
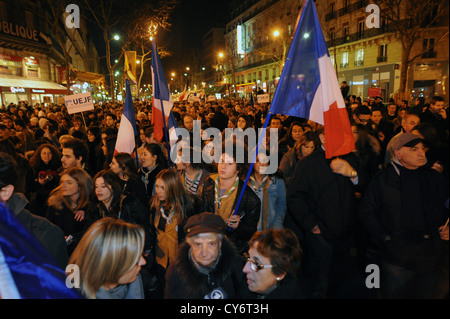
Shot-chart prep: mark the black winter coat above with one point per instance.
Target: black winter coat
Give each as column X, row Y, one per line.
column 381, row 212
column 184, row 281
column 317, row 196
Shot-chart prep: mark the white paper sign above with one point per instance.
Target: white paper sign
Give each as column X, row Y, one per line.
column 263, row 98
column 211, row 97
column 79, row 103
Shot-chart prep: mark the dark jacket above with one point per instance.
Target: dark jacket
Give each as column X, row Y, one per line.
column 289, row 288
column 184, row 281
column 49, row 235
column 317, row 196
column 415, row 242
column 131, row 210
column 65, row 219
column 149, row 180
column 249, row 210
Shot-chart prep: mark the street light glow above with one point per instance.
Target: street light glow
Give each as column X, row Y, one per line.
column 276, row 33
column 220, row 55
column 116, row 37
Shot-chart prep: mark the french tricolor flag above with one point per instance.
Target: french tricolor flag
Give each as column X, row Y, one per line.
column 162, row 100
column 308, row 86
column 127, row 130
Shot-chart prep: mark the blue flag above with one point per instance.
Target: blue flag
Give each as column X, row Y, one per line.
column 308, row 86
column 27, row 270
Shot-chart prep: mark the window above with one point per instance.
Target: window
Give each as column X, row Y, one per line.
column 428, row 49
column 345, row 32
column 359, row 57
column 344, row 60
column 30, row 19
column 3, row 14
column 361, row 29
column 382, row 53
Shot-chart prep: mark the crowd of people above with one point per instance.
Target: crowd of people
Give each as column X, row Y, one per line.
column 141, row 226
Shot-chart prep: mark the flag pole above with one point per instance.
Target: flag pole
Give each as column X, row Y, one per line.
column 249, row 173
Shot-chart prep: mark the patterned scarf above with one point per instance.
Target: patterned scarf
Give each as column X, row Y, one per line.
column 218, row 199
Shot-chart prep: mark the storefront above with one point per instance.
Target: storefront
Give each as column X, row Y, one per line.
column 29, row 91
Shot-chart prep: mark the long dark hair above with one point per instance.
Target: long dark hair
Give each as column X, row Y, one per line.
column 113, row 183
column 127, row 164
column 155, row 149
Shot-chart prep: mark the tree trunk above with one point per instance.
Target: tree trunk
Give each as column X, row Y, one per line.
column 406, row 50
column 110, row 67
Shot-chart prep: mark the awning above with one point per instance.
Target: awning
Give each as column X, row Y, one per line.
column 216, row 89
column 83, row 76
column 35, row 86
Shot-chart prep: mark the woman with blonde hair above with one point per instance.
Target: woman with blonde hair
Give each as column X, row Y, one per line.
column 68, row 202
column 109, row 257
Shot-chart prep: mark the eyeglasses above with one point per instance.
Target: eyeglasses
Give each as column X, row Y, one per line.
column 255, row 265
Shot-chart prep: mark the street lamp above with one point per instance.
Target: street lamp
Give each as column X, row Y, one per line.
column 277, row 34
column 116, row 37
column 152, row 29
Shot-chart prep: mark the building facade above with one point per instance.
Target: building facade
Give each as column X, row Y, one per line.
column 257, row 40
column 32, row 63
column 369, row 58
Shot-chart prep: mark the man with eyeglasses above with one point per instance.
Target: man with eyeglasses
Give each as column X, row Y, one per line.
column 404, row 210
column 207, row 265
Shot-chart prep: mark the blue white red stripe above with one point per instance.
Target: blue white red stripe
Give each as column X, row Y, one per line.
column 126, row 137
column 308, row 86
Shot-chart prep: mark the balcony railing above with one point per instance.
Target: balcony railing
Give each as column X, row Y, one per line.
column 330, row 16
column 429, row 55
column 344, row 65
column 359, row 63
column 356, row 36
column 381, row 59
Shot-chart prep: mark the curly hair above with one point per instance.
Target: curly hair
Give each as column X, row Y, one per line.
column 36, row 160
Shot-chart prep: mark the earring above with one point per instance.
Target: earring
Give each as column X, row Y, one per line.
column 278, row 278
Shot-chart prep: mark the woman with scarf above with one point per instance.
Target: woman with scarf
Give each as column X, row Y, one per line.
column 221, row 192
column 152, row 162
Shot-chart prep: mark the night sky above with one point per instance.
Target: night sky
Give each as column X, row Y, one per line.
column 190, row 21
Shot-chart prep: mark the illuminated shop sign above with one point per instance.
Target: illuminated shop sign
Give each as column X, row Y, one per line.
column 16, row 89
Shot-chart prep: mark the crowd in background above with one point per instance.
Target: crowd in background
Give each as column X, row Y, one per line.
column 68, row 178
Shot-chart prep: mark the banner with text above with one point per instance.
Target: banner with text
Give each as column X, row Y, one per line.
column 79, row 103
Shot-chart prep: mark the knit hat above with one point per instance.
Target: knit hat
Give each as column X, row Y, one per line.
column 204, row 223
column 406, row 140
